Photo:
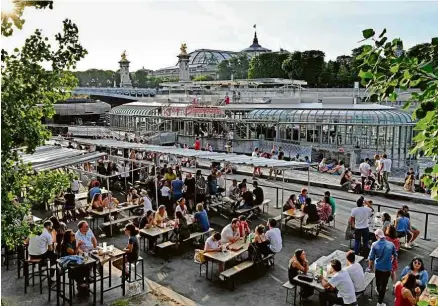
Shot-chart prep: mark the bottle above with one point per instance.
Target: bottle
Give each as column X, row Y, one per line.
column 321, row 271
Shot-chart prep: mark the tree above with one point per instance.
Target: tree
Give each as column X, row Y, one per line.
column 385, row 66
column 313, row 65
column 28, row 94
column 293, row 66
column 203, row 78
column 268, row 65
column 237, row 66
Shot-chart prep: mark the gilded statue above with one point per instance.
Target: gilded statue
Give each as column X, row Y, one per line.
column 124, row 56
column 183, row 49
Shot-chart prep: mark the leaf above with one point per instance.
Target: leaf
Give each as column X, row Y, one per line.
column 395, row 68
column 407, row 75
column 428, row 68
column 434, row 41
column 383, row 33
column 366, row 75
column 368, row 33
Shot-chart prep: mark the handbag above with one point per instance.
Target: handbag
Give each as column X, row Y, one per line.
column 199, row 256
column 349, row 232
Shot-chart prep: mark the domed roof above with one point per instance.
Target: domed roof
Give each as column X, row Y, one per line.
column 255, row 47
column 209, row 57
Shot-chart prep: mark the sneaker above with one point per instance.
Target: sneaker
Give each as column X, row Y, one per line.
column 408, row 246
column 413, row 244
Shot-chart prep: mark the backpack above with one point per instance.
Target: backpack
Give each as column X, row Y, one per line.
column 357, row 189
column 253, row 253
column 200, row 186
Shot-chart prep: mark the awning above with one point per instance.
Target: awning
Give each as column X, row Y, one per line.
column 53, row 157
column 212, row 156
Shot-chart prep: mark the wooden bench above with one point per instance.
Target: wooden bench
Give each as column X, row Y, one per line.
column 313, row 228
column 247, row 210
column 433, row 256
column 121, row 220
column 227, row 275
column 166, row 244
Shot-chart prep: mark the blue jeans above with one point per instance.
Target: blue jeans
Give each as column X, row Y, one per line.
column 359, row 234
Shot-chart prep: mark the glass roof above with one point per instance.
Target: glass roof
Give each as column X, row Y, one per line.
column 209, row 57
column 386, row 116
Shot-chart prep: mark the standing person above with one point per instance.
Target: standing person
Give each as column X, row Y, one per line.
column 272, row 169
column 189, row 194
column 146, row 200
column 75, row 184
column 165, row 198
column 377, row 164
column 385, row 168
column 69, row 210
column 197, row 144
column 365, row 169
column 382, row 254
column 391, row 235
column 201, row 187
column 256, row 170
column 177, row 188
column 359, row 222
column 341, row 281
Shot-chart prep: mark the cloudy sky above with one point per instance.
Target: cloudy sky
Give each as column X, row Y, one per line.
column 152, row 31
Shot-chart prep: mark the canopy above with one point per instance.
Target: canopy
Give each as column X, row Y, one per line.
column 53, row 157
column 212, row 156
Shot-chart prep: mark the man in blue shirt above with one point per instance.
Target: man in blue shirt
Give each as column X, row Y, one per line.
column 382, row 253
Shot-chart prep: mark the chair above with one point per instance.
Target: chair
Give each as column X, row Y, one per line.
column 43, row 267
column 10, row 255
column 137, row 277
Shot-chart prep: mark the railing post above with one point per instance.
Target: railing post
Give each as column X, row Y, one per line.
column 378, row 207
column 276, row 204
column 425, row 227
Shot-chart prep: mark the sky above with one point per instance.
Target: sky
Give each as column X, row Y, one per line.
column 151, row 32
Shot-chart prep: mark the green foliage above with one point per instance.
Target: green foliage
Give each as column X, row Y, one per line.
column 96, row 77
column 45, row 186
column 268, row 65
column 237, row 66
column 385, row 67
column 200, row 78
column 28, row 93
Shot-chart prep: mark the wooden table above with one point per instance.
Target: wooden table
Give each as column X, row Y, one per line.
column 108, row 258
column 235, row 249
column 293, row 214
column 324, row 260
column 426, row 295
column 102, row 214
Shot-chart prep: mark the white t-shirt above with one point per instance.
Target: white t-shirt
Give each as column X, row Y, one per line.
column 125, row 172
column 165, row 191
column 274, row 237
column 344, row 284
column 211, row 243
column 228, row 234
column 255, row 154
column 147, row 204
column 357, row 276
column 75, row 185
column 220, row 181
column 361, row 216
column 364, row 169
column 178, row 208
column 387, row 163
column 38, row 244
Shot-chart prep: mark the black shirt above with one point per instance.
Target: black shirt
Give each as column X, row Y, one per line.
column 312, row 212
column 133, row 256
column 190, row 183
column 258, row 193
column 69, row 200
column 249, row 198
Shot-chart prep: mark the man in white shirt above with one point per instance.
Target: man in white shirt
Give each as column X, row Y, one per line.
column 230, row 233
column 256, row 170
column 385, row 168
column 85, row 237
column 220, row 181
column 359, row 222
column 340, row 281
column 365, row 169
column 274, row 236
column 147, row 204
column 355, row 271
column 41, row 246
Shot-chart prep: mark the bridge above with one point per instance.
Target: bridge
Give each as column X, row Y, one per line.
column 115, row 96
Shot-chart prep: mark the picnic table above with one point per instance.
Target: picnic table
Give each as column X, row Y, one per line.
column 109, row 257
column 427, row 295
column 157, row 231
column 234, row 249
column 296, row 214
column 106, row 212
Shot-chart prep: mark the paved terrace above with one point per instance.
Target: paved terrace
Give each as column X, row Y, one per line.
column 180, row 274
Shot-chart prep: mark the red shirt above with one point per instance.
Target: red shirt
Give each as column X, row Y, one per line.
column 227, row 100
column 243, row 228
column 399, row 300
column 197, row 145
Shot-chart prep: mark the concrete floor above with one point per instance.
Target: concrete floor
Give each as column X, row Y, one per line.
column 181, row 273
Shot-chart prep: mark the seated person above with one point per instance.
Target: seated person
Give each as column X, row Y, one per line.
column 161, row 215
column 404, row 291
column 311, row 211
column 386, row 219
column 346, row 179
column 322, row 167
column 258, row 194
column 201, row 219
column 329, row 199
column 302, row 198
column 213, row 243
column 274, row 236
column 324, row 211
column 132, row 250
column 41, row 246
column 69, row 246
column 355, row 271
column 403, row 227
column 181, row 229
column 230, row 233
column 181, row 207
column 290, row 203
column 110, row 201
column 414, row 230
column 299, row 264
column 243, row 227
column 233, row 191
column 85, row 237
column 416, row 267
column 338, row 169
column 260, row 241
column 247, row 200
column 220, row 182
column 345, row 293
column 146, row 201
column 95, row 189
column 97, row 202
column 147, row 221
column 132, row 196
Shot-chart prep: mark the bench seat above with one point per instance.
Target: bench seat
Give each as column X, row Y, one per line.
column 166, row 244
column 236, row 269
column 121, row 220
column 261, row 206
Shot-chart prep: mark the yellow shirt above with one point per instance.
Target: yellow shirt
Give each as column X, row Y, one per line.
column 169, row 177
column 158, row 218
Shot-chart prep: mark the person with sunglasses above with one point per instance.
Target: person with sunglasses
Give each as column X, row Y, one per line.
column 416, row 267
